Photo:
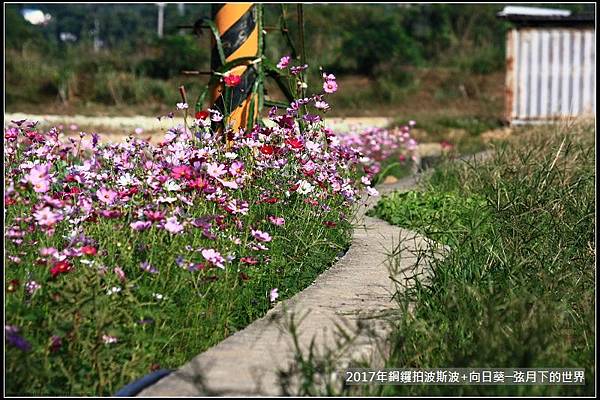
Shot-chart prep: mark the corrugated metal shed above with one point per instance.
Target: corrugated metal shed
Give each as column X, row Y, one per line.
column 550, row 67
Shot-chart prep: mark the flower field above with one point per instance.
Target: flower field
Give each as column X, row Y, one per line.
column 123, row 258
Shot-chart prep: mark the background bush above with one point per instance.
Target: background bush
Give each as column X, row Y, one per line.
column 384, row 43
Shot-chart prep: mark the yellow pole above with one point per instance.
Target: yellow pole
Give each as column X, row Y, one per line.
column 238, row 30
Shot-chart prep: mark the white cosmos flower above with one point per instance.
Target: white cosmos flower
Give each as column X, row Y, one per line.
column 312, row 146
column 305, row 187
column 125, row 180
column 172, row 186
column 113, row 290
column 157, row 296
column 163, row 199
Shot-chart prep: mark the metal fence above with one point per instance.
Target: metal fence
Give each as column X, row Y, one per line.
column 551, row 73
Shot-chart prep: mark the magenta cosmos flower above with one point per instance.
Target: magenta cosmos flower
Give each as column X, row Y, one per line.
column 284, row 62
column 140, row 225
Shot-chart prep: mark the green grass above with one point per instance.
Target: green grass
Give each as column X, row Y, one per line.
column 444, row 217
column 517, row 287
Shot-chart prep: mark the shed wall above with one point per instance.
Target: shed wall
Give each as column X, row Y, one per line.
column 551, row 73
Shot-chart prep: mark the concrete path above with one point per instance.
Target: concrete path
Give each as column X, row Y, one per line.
column 355, row 293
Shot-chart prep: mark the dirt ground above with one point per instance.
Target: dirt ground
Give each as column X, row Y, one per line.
column 117, row 128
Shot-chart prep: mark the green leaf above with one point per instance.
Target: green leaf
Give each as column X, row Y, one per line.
column 234, row 63
column 275, row 103
column 276, row 76
column 252, row 105
column 201, row 98
column 215, row 32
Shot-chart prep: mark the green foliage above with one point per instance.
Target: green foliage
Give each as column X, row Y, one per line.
column 373, row 39
column 19, row 32
column 173, row 54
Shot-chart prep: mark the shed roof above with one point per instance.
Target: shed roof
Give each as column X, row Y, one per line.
column 534, row 16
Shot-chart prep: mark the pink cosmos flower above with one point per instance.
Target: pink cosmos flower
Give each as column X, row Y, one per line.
column 215, row 115
column 372, row 191
column 39, row 178
column 237, row 207
column 236, row 168
column 276, row 220
column 89, row 250
column 262, row 236
column 38, row 172
column 110, row 213
column 45, row 217
column 48, row 251
column 41, row 186
column 213, row 257
column 215, row 170
column 330, row 86
column 229, row 184
column 411, row 144
column 32, row 286
column 107, row 196
column 249, row 260
column 109, row 339
column 273, row 295
column 120, row 273
column 295, row 143
column 284, row 62
column 232, row 80
column 173, row 226
column 321, row 105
